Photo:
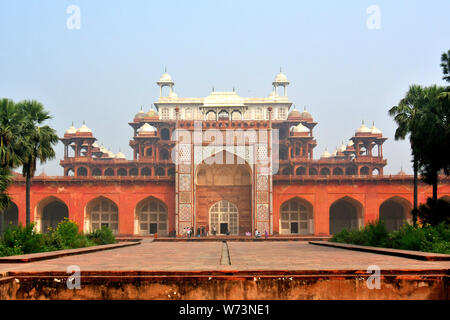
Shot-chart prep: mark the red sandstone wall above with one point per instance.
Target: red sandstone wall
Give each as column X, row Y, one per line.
column 77, row 195
column 370, row 196
column 127, row 195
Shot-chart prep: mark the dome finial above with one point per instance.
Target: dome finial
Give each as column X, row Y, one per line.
column 165, row 69
column 280, row 69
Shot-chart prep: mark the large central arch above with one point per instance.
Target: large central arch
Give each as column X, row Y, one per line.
column 224, row 217
column 346, row 213
column 229, row 180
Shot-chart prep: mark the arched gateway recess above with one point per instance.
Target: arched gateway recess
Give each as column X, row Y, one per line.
column 9, row 217
column 224, row 216
column 50, row 212
column 152, row 217
column 296, row 217
column 395, row 212
column 345, row 213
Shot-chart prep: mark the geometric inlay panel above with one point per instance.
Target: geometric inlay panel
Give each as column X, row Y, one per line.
column 262, row 197
column 185, row 212
column 185, row 182
column 262, row 182
column 263, row 212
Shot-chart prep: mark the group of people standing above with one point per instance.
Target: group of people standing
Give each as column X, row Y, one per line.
column 201, row 232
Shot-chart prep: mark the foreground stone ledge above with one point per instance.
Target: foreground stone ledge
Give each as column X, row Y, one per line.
column 228, row 285
column 418, row 255
column 26, row 258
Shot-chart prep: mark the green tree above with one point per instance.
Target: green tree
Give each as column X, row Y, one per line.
column 406, row 115
column 431, row 135
column 10, row 151
column 445, row 64
column 37, row 142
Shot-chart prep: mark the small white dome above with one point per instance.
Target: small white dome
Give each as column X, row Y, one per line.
column 71, row 130
column 363, row 129
column 375, row 130
column 140, row 114
column 111, row 154
column 84, row 128
column 173, row 95
column 281, row 78
column 95, row 145
column 147, row 128
column 342, row 148
column 350, row 143
column 120, row 155
column 103, row 149
column 325, row 154
column 299, row 128
column 165, row 78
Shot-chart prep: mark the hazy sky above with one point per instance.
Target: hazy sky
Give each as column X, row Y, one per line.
column 341, row 70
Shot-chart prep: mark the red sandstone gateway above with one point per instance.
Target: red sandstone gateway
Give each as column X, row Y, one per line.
column 238, row 164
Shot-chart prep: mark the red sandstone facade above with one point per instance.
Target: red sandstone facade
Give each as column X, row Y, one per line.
column 211, row 163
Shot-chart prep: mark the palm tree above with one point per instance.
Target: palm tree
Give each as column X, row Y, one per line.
column 431, row 134
column 10, row 153
column 406, row 115
column 37, row 141
column 445, row 64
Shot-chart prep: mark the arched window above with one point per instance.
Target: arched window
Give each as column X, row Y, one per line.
column 134, row 172
column 82, row 172
column 159, row 172
column 223, row 115
column 149, row 152
column 152, row 217
column 312, row 172
column 109, row 172
column 211, row 115
column 146, row 172
column 286, row 171
column 337, row 172
column 224, row 216
column 364, row 171
column 296, row 217
column 376, row 172
column 301, row 171
column 103, row 212
column 236, row 115
column 70, row 172
column 122, row 172
column 350, row 171
column 324, row 172
column 171, row 172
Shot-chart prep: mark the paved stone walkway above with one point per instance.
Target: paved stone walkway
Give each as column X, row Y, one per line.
column 197, row 256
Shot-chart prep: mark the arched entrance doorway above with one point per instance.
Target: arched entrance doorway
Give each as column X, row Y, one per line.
column 296, row 217
column 102, row 212
column 152, row 217
column 345, row 213
column 224, row 176
column 50, row 212
column 225, row 217
column 395, row 212
column 8, row 217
